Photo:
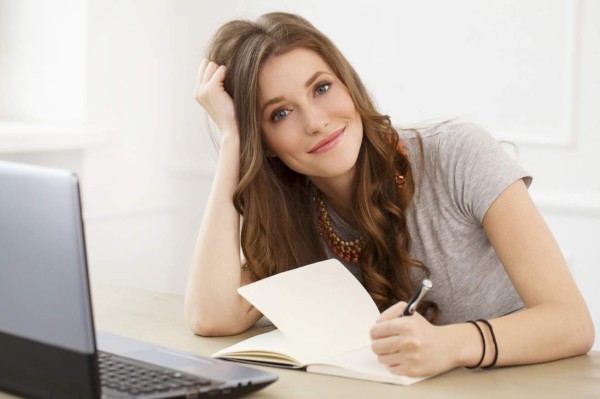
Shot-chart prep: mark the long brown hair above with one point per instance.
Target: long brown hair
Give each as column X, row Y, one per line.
column 278, row 232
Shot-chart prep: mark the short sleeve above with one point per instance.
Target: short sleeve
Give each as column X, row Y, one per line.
column 476, row 167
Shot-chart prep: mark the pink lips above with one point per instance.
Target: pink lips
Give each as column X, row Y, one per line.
column 327, row 143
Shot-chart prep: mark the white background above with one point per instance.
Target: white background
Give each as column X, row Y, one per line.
column 105, row 87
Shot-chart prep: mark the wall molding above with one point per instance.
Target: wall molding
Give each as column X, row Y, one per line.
column 35, row 137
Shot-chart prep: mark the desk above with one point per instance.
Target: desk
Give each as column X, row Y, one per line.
column 158, row 318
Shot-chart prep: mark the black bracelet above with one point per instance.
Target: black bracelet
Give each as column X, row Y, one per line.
column 487, row 323
column 482, row 341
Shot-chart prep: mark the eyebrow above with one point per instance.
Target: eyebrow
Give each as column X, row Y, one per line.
column 313, row 78
column 309, row 81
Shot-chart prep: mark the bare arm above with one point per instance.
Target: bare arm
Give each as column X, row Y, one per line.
column 555, row 324
column 212, row 304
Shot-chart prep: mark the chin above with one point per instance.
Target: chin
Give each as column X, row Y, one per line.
column 340, row 166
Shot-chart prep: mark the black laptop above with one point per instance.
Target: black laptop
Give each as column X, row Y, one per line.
column 48, row 345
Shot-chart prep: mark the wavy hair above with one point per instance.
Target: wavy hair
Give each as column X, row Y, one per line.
column 275, row 201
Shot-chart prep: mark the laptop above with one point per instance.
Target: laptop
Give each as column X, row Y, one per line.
column 48, row 345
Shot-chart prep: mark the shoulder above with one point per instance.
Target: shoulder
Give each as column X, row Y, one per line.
column 449, row 142
column 465, row 161
column 447, row 132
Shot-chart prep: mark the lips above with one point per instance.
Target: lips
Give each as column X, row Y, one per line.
column 328, row 142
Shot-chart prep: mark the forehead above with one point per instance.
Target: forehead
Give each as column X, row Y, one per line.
column 287, row 71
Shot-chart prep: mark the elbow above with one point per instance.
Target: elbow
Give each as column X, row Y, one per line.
column 202, row 325
column 583, row 333
column 588, row 336
column 204, row 329
column 206, row 325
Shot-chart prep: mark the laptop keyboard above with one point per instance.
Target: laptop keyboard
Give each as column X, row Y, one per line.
column 139, row 378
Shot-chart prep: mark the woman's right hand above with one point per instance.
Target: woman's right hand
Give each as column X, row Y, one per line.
column 211, row 94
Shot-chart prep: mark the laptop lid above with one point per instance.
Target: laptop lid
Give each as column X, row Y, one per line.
column 46, row 327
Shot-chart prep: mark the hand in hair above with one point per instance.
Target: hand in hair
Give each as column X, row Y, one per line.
column 411, row 345
column 211, row 94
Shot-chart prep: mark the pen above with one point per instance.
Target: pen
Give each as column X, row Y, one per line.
column 426, row 285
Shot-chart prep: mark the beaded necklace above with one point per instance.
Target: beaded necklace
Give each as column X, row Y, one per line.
column 350, row 250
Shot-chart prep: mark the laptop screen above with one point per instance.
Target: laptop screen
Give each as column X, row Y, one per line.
column 43, row 279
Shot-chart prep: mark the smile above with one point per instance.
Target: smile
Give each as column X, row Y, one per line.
column 328, row 143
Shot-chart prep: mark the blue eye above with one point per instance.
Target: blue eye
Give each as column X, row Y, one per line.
column 279, row 115
column 322, row 88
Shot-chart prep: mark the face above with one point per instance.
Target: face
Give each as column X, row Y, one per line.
column 308, row 118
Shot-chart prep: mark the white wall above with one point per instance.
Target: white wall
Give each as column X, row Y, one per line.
column 145, row 189
column 525, row 69
column 43, row 60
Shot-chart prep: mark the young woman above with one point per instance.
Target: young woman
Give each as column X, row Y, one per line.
column 310, row 170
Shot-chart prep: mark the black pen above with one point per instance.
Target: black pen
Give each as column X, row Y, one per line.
column 426, row 285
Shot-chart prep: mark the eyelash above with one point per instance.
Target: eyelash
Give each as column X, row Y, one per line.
column 287, row 111
column 327, row 83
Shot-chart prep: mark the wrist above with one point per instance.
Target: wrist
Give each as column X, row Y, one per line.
column 466, row 345
column 230, row 136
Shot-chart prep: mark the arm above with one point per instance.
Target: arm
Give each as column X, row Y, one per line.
column 212, row 304
column 555, row 324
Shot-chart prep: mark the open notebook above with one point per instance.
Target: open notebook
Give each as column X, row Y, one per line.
column 323, row 315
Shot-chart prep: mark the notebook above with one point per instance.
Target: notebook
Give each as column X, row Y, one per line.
column 48, row 345
column 321, row 329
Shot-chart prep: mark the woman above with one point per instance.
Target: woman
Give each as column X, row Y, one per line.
column 316, row 172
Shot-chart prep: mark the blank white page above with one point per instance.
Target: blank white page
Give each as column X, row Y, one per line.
column 321, row 308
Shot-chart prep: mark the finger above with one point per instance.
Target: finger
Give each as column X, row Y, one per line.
column 406, row 370
column 209, row 71
column 399, row 363
column 388, row 328
column 387, row 345
column 390, row 360
column 219, row 76
column 201, row 70
column 392, row 312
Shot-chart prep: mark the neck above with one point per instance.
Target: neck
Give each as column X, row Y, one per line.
column 339, row 197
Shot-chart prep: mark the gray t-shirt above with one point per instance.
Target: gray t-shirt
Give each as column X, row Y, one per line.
column 463, row 171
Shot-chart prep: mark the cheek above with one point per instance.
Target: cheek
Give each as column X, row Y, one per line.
column 346, row 105
column 280, row 143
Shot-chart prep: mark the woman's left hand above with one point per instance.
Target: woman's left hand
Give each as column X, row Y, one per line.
column 410, row 345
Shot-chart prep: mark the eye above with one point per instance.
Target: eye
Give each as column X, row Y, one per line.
column 279, row 114
column 322, row 88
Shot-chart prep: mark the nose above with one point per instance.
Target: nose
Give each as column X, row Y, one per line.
column 316, row 119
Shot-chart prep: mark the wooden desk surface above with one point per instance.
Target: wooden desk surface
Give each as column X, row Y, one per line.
column 158, row 318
